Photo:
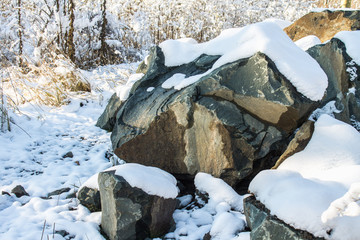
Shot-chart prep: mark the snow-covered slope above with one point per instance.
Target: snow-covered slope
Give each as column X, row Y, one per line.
column 33, row 157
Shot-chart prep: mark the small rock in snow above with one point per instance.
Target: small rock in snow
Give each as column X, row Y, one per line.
column 5, row 193
column 19, row 191
column 58, row 192
column 68, row 155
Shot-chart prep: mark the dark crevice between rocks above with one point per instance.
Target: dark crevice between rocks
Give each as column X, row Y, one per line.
column 185, row 184
column 266, row 162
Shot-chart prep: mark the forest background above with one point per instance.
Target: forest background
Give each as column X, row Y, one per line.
column 44, row 44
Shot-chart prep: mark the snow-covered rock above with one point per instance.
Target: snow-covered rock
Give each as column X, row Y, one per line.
column 217, row 215
column 351, row 40
column 324, row 24
column 307, row 42
column 137, row 201
column 316, row 189
column 265, row 225
column 337, row 59
column 234, row 44
column 251, row 92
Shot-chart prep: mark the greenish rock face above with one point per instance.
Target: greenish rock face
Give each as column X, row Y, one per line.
column 107, row 120
column 265, row 226
column 343, row 74
column 232, row 123
column 130, row 213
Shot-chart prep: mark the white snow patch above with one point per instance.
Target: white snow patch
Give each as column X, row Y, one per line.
column 173, row 80
column 150, row 89
column 226, row 226
column 343, row 214
column 307, row 42
column 328, row 109
column 123, row 92
column 352, row 70
column 237, row 43
column 185, row 200
column 92, row 182
column 347, row 205
column 218, row 191
column 151, row 180
column 62, row 70
column 280, row 22
column 334, row 145
column 32, row 157
column 301, row 190
column 351, row 40
column 223, row 207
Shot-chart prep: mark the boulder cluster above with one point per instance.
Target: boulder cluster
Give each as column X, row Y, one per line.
column 241, row 118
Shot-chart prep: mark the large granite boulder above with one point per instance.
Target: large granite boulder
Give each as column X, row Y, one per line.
column 343, row 78
column 266, row 226
column 232, row 123
column 131, row 213
column 324, row 24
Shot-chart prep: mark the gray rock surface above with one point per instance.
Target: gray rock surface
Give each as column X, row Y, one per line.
column 90, row 198
column 265, row 226
column 58, row 192
column 108, row 118
column 232, row 123
column 130, row 213
column 68, row 155
column 343, row 74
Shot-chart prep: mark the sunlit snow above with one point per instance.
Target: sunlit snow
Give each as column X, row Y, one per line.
column 315, row 189
column 351, row 40
column 238, row 43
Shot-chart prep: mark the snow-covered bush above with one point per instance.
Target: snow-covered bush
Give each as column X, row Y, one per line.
column 48, row 83
column 124, row 28
column 336, row 3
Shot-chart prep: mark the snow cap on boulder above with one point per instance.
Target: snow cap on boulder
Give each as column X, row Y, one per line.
column 232, row 44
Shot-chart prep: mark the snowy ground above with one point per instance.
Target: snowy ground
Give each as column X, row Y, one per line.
column 34, row 158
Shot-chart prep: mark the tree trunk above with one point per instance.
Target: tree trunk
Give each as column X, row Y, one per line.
column 71, row 45
column 103, row 49
column 20, row 32
column 346, row 3
column 57, row 4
